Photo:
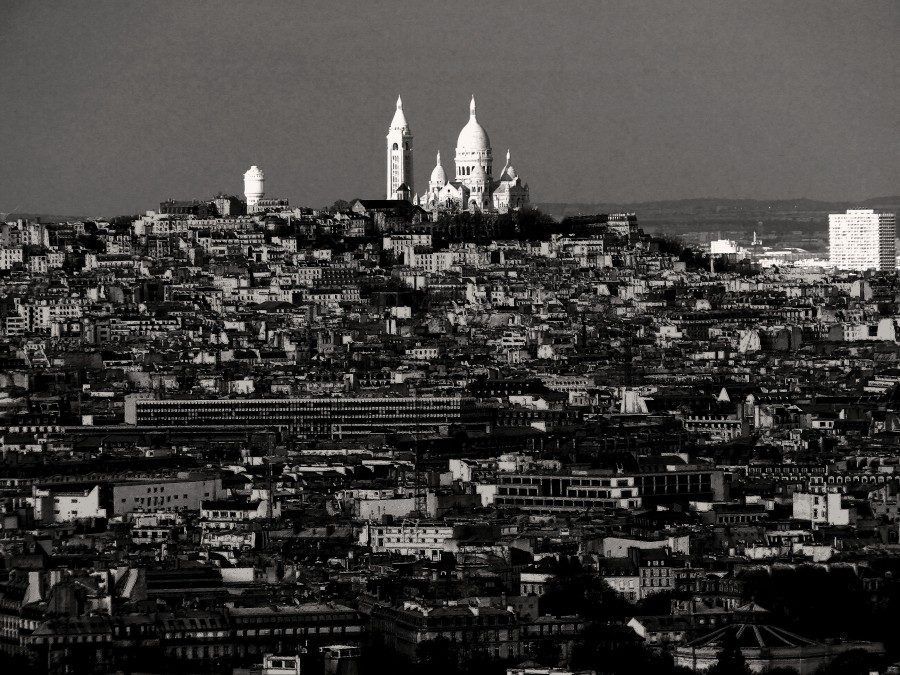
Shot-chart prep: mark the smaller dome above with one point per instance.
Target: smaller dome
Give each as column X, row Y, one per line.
column 478, row 174
column 508, row 173
column 437, row 174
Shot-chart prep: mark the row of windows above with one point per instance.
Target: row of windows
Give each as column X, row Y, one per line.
column 420, row 541
column 467, row 170
column 180, row 635
column 299, row 416
column 303, row 619
column 565, row 481
column 318, row 409
column 555, row 502
column 420, row 530
column 158, row 499
column 549, row 629
column 738, row 519
column 71, row 639
column 656, row 571
column 204, row 652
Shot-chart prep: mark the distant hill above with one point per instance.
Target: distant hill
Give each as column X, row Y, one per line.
column 42, row 217
column 706, row 208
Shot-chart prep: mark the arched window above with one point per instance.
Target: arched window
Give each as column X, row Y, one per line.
column 396, row 147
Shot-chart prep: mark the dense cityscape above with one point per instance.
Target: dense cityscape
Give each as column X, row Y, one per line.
column 353, row 338
column 447, row 433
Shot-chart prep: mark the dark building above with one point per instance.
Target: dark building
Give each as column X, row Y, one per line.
column 184, row 208
column 331, row 417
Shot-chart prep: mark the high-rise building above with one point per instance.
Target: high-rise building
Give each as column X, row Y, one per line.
column 862, row 239
column 399, row 157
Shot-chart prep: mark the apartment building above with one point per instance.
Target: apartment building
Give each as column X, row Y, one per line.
column 862, row 239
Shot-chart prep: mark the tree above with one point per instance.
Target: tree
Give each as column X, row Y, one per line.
column 617, row 650
column 339, row 205
column 668, row 245
column 852, row 662
column 438, row 656
column 546, row 653
column 532, row 223
column 658, row 603
column 730, row 659
column 585, row 594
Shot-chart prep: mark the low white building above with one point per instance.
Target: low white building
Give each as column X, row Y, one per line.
column 534, row 583
column 61, row 504
column 412, row 537
column 823, row 509
column 275, row 664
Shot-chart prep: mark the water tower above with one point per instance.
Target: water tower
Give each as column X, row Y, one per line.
column 254, row 187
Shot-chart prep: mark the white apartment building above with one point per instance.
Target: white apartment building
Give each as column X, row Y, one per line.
column 862, row 239
column 410, row 538
column 61, row 504
column 822, row 509
column 10, row 256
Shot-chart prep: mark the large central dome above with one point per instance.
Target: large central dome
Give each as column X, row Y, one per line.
column 473, row 137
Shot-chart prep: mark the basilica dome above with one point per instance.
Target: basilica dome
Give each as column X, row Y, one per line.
column 473, row 137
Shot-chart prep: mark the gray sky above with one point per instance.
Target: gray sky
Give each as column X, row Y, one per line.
column 109, row 107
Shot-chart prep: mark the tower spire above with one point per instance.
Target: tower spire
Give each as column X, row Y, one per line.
column 472, row 107
column 399, row 156
column 399, row 120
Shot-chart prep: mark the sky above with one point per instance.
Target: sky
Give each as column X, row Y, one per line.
column 109, row 107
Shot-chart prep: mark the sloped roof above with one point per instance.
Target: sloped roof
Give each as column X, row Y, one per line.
column 753, row 636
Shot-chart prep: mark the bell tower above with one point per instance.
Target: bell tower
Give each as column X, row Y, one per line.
column 399, row 156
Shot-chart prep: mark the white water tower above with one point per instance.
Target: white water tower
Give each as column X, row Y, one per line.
column 254, row 187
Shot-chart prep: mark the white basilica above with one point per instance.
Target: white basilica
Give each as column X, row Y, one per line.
column 472, row 187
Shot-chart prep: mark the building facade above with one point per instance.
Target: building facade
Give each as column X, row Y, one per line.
column 164, row 495
column 552, row 493
column 333, row 417
column 862, row 239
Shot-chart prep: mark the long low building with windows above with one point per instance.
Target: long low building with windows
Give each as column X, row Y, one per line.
column 550, row 493
column 583, row 490
column 330, row 417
